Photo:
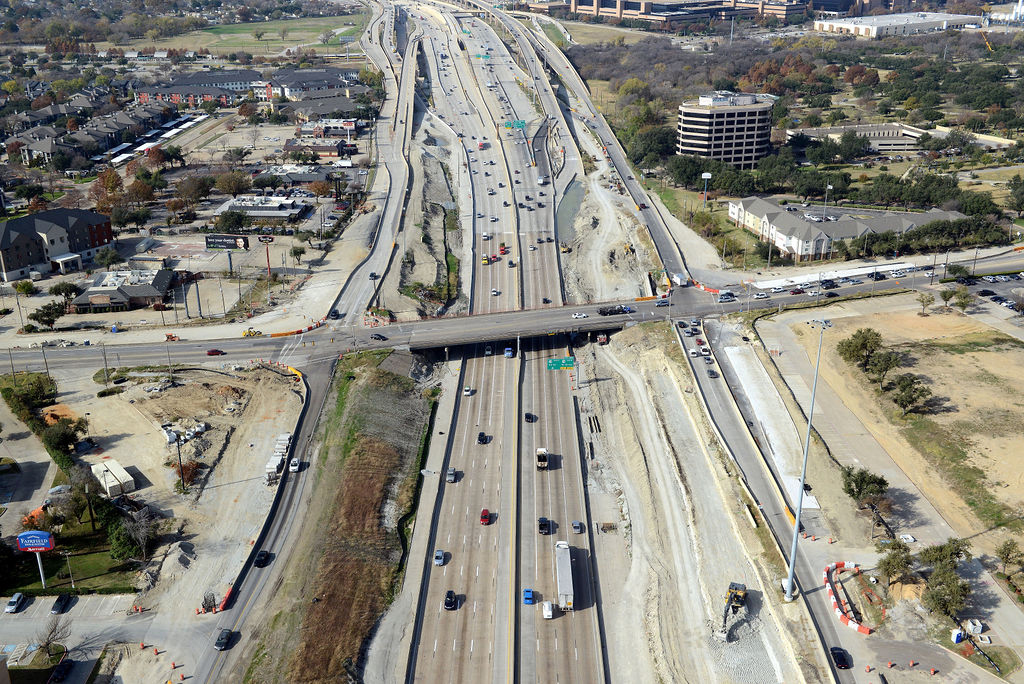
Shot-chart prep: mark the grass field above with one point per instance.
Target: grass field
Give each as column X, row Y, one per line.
column 598, row 33
column 233, row 37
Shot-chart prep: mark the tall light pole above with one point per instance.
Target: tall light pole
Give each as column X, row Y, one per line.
column 706, row 176
column 822, row 324
column 67, row 557
column 827, row 188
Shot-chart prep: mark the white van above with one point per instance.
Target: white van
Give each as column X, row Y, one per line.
column 548, row 610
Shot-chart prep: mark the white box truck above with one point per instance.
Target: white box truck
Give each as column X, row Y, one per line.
column 563, row 574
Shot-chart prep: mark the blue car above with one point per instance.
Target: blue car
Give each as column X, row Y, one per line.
column 528, row 597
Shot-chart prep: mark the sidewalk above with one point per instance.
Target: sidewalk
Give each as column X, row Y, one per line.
column 22, row 492
column 853, row 444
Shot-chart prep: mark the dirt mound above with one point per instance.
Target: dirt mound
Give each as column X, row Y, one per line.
column 51, row 414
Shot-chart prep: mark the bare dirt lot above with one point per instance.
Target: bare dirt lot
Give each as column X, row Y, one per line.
column 243, row 412
column 970, row 435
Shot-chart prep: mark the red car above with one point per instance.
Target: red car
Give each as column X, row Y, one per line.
column 796, row 291
column 214, row 352
column 700, row 342
column 485, row 517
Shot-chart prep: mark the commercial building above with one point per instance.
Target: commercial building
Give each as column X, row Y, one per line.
column 730, row 127
column 124, row 290
column 897, row 24
column 886, row 138
column 56, row 240
column 667, row 13
column 806, row 234
column 323, row 147
column 266, row 207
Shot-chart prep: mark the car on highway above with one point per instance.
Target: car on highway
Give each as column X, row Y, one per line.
column 694, row 353
column 262, row 559
column 777, row 290
column 60, row 673
column 294, row 465
column 543, row 526
column 712, row 373
column 577, row 527
column 760, row 295
column 831, row 295
column 797, row 291
column 494, row 292
column 579, row 314
column 708, row 360
column 663, row 302
column 705, row 351
column 467, row 391
column 451, row 601
column 14, row 605
column 223, row 640
column 481, row 438
column 334, row 315
column 485, row 517
column 378, row 337
column 530, row 417
column 373, row 275
column 450, row 475
column 438, row 557
column 528, row 597
column 60, row 605
column 214, row 352
column 840, row 658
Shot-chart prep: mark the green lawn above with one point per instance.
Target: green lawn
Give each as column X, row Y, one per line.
column 91, row 565
column 230, row 37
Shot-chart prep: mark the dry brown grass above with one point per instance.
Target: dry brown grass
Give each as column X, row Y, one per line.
column 376, row 441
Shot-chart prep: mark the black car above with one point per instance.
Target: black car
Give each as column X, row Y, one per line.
column 481, row 438
column 60, row 673
column 985, row 293
column 378, row 337
column 828, row 285
column 530, row 418
column 831, row 295
column 262, row 559
column 62, row 603
column 840, row 658
column 544, row 526
column 712, row 373
column 334, row 315
column 451, row 601
column 223, row 640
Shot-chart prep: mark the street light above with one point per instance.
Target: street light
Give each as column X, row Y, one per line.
column 827, row 188
column 706, row 176
column 67, row 557
column 822, row 324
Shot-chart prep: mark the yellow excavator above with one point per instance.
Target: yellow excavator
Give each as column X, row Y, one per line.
column 985, row 38
column 735, row 600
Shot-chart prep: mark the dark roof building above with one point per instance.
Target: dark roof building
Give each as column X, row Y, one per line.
column 53, row 240
column 123, row 290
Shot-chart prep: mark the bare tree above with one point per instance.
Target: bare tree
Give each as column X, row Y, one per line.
column 140, row 528
column 57, row 630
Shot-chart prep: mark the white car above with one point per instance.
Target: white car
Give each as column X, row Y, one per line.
column 494, row 293
column 760, row 295
column 928, row 274
column 293, row 465
column 813, row 293
column 579, row 314
column 694, row 353
column 777, row 290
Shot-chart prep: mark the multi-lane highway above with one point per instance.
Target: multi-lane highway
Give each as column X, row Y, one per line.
column 487, row 559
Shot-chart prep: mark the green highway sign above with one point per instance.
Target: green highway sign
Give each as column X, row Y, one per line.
column 564, row 362
column 508, row 124
column 519, row 123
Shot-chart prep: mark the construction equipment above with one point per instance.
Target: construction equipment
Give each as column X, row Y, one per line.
column 735, row 599
column 252, row 332
column 171, row 337
column 564, row 248
column 987, row 44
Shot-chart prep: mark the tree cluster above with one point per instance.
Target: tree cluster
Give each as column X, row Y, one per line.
column 864, row 349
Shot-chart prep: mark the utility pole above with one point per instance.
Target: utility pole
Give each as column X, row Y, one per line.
column 170, row 371
column 45, row 365
column 106, row 375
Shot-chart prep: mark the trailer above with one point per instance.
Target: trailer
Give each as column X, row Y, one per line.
column 563, row 574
